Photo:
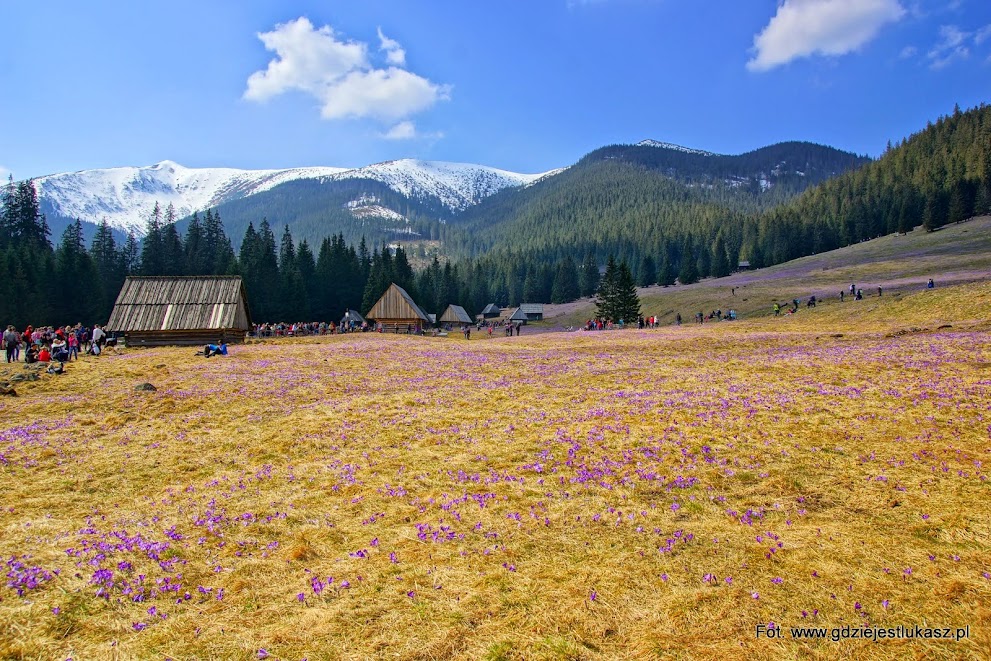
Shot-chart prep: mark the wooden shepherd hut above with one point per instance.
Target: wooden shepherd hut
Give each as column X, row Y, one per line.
column 518, row 316
column 491, row 311
column 398, row 312
column 455, row 314
column 185, row 310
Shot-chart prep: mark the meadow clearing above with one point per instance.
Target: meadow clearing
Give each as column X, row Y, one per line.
column 623, row 494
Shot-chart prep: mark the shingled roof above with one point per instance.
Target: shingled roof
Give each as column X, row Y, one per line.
column 180, row 303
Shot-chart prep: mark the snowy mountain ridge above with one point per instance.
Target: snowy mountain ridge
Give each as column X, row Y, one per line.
column 125, row 196
column 668, row 145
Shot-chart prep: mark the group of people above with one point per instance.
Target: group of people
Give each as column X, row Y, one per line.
column 54, row 344
column 715, row 315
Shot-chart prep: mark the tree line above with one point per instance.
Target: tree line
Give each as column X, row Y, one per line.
column 285, row 281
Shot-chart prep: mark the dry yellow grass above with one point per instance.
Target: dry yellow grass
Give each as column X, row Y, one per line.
column 624, row 494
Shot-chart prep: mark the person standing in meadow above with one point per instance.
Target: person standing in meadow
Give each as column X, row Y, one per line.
column 11, row 342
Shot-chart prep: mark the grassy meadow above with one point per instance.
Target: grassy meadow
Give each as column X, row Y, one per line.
column 900, row 264
column 622, row 494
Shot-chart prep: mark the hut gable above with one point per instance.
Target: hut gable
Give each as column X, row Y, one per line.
column 491, row 310
column 455, row 314
column 352, row 316
column 397, row 307
column 162, row 310
column 518, row 316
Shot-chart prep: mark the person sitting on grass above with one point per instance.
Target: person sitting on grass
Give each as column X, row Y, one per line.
column 60, row 351
column 218, row 349
column 44, row 354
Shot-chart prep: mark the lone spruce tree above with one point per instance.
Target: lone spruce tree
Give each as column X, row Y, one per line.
column 617, row 297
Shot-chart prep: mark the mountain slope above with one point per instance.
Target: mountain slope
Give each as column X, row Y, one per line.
column 630, row 200
column 125, row 196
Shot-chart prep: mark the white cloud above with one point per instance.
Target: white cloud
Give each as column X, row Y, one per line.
column 907, row 52
column 950, row 47
column 387, row 94
column 982, row 35
column 802, row 28
column 339, row 75
column 394, row 52
column 405, row 130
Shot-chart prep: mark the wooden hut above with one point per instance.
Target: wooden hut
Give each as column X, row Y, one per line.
column 491, row 311
column 184, row 310
column 455, row 314
column 398, row 312
column 533, row 311
column 518, row 316
column 352, row 318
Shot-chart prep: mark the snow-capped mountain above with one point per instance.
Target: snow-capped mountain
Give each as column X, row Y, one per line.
column 125, row 196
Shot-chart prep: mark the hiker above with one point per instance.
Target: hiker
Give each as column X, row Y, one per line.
column 842, row 294
column 677, row 319
column 853, row 289
column 11, row 341
column 860, row 295
column 930, row 284
column 879, row 291
column 777, row 309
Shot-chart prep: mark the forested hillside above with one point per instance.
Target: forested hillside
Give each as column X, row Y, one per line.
column 657, row 211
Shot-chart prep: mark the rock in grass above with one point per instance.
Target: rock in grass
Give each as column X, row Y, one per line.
column 145, row 386
column 9, row 392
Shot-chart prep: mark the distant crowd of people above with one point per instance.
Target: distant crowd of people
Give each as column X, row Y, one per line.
column 855, row 292
column 54, row 344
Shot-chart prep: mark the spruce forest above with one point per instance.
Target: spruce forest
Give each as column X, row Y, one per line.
column 657, row 214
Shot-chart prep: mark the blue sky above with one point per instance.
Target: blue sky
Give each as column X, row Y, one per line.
column 524, row 86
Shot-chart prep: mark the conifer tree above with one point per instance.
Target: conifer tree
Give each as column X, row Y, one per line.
column 647, row 273
column 589, row 278
column 153, row 245
column 720, row 263
column 689, row 273
column 565, row 288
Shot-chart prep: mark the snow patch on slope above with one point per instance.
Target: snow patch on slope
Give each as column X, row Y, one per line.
column 668, row 145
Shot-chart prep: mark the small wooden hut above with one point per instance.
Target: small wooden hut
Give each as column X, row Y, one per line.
column 518, row 316
column 398, row 312
column 533, row 311
column 491, row 311
column 180, row 310
column 455, row 314
column 352, row 317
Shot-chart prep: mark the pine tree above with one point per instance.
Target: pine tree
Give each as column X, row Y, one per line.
column 627, row 301
column 589, row 277
column 531, row 287
column 647, row 273
column 174, row 258
column 109, row 264
column 153, row 245
column 689, row 273
column 720, row 263
column 934, row 214
column 195, row 247
column 606, row 295
column 565, row 287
